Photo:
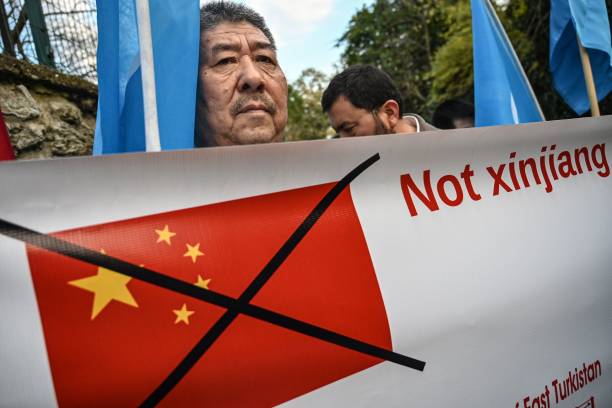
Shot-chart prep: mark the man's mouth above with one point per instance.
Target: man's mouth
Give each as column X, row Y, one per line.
column 253, row 105
column 254, row 108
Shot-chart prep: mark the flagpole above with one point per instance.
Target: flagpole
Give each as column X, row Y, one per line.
column 147, row 69
column 588, row 78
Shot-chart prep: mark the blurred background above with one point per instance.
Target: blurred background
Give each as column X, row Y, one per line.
column 58, row 33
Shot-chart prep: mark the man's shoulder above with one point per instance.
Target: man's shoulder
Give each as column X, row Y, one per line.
column 422, row 125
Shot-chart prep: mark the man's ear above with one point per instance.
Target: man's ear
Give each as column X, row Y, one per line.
column 391, row 111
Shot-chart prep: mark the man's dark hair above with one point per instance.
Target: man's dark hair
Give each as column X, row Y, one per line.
column 217, row 12
column 447, row 112
column 365, row 86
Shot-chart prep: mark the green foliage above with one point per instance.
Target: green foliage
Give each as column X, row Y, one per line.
column 426, row 46
column 401, row 37
column 306, row 118
column 452, row 71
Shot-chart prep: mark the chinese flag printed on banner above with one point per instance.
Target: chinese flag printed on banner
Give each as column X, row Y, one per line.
column 111, row 339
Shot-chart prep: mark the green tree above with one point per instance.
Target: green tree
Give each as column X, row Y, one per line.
column 452, row 73
column 306, row 118
column 400, row 37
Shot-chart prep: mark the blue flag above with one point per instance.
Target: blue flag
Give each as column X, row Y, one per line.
column 502, row 93
column 175, row 29
column 588, row 19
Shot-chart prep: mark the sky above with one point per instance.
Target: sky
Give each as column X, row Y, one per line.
column 307, row 30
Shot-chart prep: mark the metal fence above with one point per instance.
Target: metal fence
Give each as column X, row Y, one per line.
column 57, row 33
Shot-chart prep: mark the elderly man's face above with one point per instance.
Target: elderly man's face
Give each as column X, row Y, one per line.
column 243, row 91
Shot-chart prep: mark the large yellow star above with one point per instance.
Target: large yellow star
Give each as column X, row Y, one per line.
column 165, row 235
column 202, row 283
column 193, row 252
column 183, row 314
column 106, row 286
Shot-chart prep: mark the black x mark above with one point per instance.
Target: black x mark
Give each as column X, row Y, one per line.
column 233, row 307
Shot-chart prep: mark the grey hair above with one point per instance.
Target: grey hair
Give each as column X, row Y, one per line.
column 217, row 12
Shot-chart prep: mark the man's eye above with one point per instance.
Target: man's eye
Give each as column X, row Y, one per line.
column 346, row 132
column 226, row 61
column 265, row 59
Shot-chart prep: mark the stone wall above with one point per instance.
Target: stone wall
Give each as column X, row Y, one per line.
column 48, row 114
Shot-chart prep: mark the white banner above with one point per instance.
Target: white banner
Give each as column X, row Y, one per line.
column 457, row 268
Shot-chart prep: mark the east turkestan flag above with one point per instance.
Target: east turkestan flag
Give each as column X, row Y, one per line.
column 502, row 93
column 588, row 21
column 175, row 27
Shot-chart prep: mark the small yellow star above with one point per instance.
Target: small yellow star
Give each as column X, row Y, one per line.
column 193, row 252
column 202, row 283
column 165, row 235
column 183, row 314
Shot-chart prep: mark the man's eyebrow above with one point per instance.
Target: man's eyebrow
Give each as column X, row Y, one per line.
column 220, row 47
column 236, row 47
column 262, row 45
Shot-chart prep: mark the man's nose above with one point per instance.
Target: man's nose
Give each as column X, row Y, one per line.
column 251, row 78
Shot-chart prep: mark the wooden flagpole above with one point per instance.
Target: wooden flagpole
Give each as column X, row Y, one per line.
column 148, row 76
column 588, row 78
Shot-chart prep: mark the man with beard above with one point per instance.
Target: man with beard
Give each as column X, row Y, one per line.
column 242, row 91
column 363, row 100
